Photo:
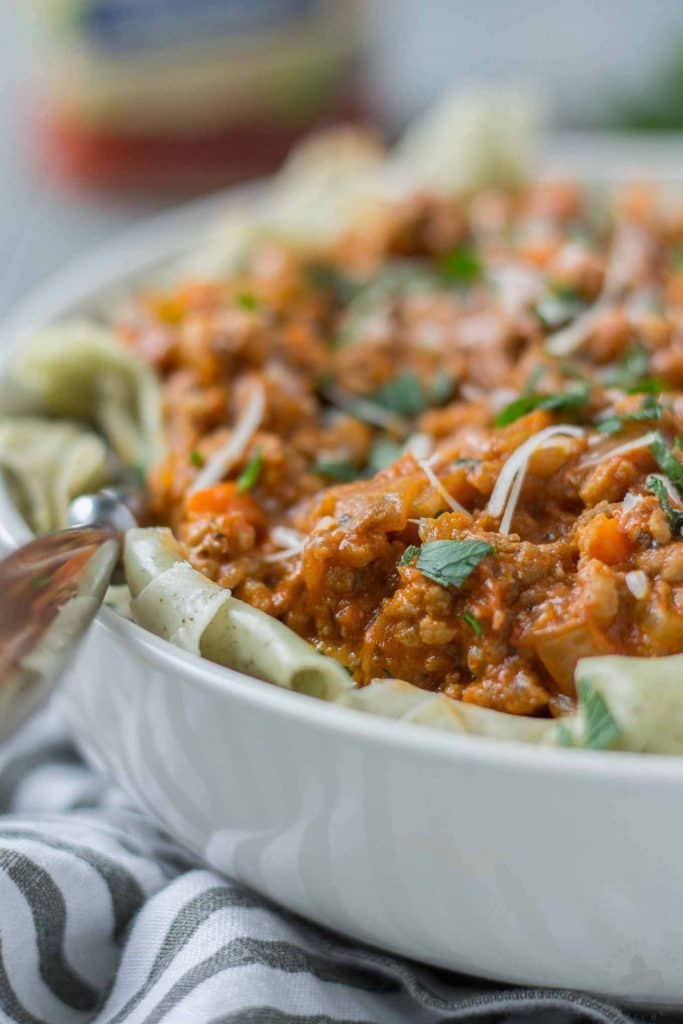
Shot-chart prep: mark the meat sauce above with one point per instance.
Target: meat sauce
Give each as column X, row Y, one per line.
column 400, row 370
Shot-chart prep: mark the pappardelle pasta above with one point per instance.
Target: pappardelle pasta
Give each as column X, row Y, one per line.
column 410, row 434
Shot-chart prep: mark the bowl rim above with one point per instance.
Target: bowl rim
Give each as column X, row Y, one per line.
column 105, row 269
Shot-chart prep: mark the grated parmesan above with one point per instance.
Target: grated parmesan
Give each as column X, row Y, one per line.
column 454, row 505
column 630, row 446
column 505, row 494
column 222, row 461
column 630, row 250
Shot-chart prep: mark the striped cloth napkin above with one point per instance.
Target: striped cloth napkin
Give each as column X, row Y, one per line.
column 104, row 919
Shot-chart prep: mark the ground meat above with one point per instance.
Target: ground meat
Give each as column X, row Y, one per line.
column 391, row 412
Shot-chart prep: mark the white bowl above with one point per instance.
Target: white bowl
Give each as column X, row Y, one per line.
column 536, row 866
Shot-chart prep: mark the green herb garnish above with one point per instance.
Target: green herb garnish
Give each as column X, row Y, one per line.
column 461, row 266
column 667, row 462
column 612, row 423
column 674, row 517
column 403, row 395
column 382, row 454
column 196, row 459
column 251, row 472
column 574, row 397
column 677, row 257
column 451, row 562
column 630, row 370
column 559, row 307
column 247, row 301
column 441, row 388
column 328, row 278
column 340, row 470
column 473, row 622
column 411, row 552
column 600, row 727
column 406, row 395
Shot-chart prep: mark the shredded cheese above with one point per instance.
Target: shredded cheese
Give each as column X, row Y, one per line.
column 285, row 537
column 222, row 461
column 622, row 449
column 454, row 505
column 419, row 446
column 630, row 252
column 290, row 540
column 505, row 494
column 637, row 582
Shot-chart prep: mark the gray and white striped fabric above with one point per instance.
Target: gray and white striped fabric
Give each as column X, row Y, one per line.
column 104, row 919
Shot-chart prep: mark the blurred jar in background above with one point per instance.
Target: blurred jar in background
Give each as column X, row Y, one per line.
column 189, row 94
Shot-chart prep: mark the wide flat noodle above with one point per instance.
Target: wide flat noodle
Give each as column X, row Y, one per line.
column 644, row 696
column 80, row 370
column 48, row 463
column 174, row 601
column 395, row 698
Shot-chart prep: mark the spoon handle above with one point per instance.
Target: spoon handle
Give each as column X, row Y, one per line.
column 50, row 590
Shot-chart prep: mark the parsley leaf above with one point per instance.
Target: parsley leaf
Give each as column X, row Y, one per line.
column 251, row 472
column 612, row 423
column 247, row 301
column 328, row 278
column 667, row 462
column 196, row 459
column 572, row 398
column 406, row 395
column 630, row 369
column 558, row 307
column 674, row 517
column 461, row 266
column 601, row 728
column 403, row 395
column 382, row 454
column 473, row 622
column 409, row 554
column 340, row 470
column 450, row 562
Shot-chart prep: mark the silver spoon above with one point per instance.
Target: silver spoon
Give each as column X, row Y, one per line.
column 50, row 591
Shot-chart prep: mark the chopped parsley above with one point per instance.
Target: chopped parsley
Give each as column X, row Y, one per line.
column 600, row 727
column 441, row 388
column 251, row 472
column 631, row 370
column 382, row 454
column 677, row 257
column 612, row 423
column 558, row 307
column 406, row 395
column 340, row 470
column 473, row 622
column 451, row 562
column 674, row 517
column 411, row 552
column 461, row 266
column 328, row 278
column 574, row 397
column 247, row 301
column 196, row 459
column 403, row 395
column 667, row 462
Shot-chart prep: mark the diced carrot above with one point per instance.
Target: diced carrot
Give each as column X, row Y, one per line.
column 674, row 288
column 222, row 499
column 539, row 251
column 604, row 539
